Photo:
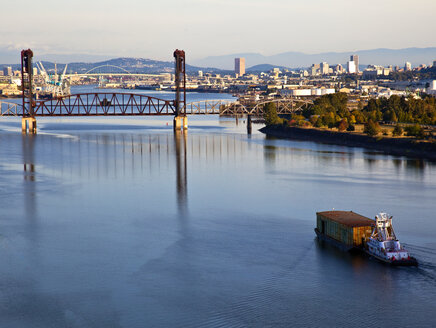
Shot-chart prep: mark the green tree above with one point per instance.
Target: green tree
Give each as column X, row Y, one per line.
column 371, row 128
column 390, row 116
column 398, row 131
column 343, row 125
column 270, row 114
column 319, row 123
column 329, row 120
column 333, row 103
column 359, row 117
column 313, row 119
column 415, row 130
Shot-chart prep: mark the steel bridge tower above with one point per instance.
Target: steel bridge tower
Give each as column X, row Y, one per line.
column 28, row 122
column 180, row 119
column 29, row 104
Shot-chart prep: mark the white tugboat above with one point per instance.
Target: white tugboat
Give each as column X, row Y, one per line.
column 384, row 245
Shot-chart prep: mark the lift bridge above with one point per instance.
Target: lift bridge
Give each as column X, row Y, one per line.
column 131, row 104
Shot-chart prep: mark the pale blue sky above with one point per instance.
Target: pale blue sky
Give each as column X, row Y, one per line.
column 153, row 29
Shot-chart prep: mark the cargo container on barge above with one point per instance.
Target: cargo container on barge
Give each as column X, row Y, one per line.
column 345, row 229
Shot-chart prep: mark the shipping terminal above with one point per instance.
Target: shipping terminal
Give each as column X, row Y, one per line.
column 348, row 231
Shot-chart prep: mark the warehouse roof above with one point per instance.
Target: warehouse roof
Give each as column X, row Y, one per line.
column 348, row 218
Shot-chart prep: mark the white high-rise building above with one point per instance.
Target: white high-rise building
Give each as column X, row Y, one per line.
column 407, row 66
column 355, row 59
column 324, row 68
column 351, row 67
column 431, row 90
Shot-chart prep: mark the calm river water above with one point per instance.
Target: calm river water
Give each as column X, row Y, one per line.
column 114, row 222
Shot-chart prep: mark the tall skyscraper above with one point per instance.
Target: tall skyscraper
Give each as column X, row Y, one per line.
column 240, row 66
column 351, row 67
column 324, row 68
column 407, row 66
column 7, row 71
column 355, row 59
column 314, row 69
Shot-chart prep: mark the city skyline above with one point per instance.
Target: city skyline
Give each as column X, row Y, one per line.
column 136, row 29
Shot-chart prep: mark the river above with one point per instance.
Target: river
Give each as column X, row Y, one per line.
column 119, row 222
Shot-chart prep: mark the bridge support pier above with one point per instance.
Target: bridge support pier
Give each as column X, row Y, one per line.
column 180, row 122
column 28, row 124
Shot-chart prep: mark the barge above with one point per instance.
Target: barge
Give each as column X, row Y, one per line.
column 349, row 231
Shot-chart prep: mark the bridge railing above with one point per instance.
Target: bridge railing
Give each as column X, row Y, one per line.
column 10, row 109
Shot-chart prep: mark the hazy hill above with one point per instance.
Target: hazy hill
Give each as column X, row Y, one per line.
column 264, row 68
column 132, row 65
column 381, row 56
column 12, row 56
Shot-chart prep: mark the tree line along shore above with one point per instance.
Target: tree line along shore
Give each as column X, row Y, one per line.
column 395, row 125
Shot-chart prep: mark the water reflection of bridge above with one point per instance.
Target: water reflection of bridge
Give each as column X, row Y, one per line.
column 131, row 104
column 89, row 156
column 101, row 156
column 125, row 155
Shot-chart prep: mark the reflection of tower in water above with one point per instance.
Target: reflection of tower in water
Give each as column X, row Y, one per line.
column 180, row 140
column 28, row 157
column 29, row 184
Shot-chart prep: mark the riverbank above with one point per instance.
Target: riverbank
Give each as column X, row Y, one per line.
column 409, row 147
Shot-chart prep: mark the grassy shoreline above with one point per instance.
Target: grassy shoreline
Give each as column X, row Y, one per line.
column 409, row 147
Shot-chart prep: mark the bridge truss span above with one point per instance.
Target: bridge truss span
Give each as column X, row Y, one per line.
column 131, row 104
column 104, row 104
column 283, row 106
column 10, row 109
column 207, row 107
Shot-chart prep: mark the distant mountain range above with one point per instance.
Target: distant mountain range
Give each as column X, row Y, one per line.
column 381, row 56
column 224, row 64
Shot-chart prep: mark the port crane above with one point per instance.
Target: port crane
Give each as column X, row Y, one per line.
column 54, row 86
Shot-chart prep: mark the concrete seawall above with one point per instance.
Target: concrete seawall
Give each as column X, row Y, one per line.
column 409, row 147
